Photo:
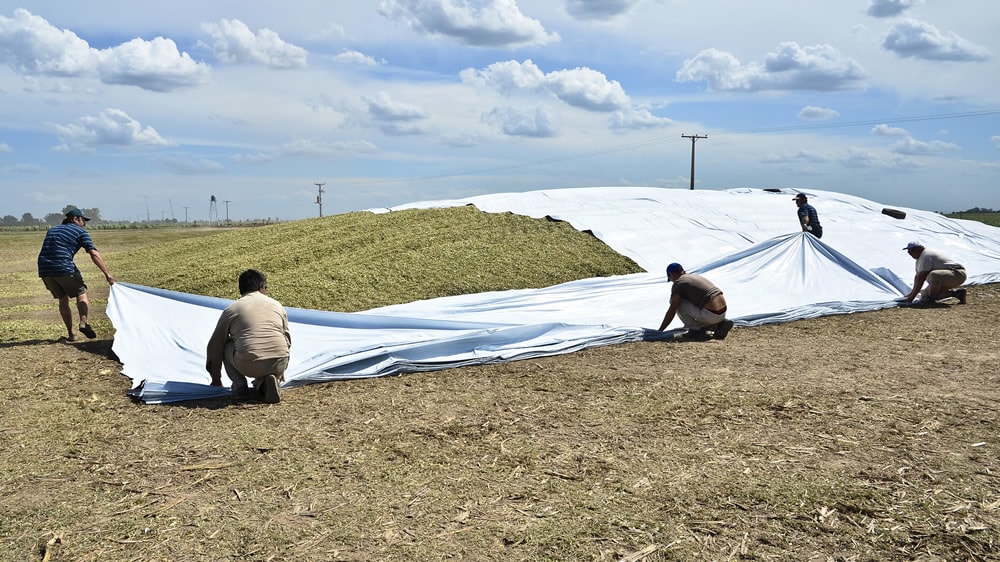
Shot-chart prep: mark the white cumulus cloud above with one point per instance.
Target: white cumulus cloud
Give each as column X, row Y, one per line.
column 884, row 130
column 481, row 23
column 234, row 42
column 355, row 57
column 384, row 108
column 637, row 119
column 587, row 89
column 507, row 77
column 515, row 122
column 31, row 45
column 864, row 158
column 110, row 127
column 913, row 147
column 919, row 39
column 155, row 65
column 580, row 87
column 393, row 117
column 889, row 8
column 792, row 67
column 813, row 113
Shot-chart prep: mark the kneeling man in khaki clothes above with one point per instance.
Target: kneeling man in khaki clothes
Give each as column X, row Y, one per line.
column 943, row 275
column 251, row 340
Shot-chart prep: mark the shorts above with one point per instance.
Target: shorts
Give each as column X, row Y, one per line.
column 65, row 285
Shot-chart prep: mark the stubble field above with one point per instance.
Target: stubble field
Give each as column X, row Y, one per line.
column 861, row 437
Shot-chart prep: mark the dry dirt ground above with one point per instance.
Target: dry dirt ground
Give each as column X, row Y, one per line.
column 862, row 437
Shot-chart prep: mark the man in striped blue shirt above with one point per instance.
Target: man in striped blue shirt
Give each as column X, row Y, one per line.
column 59, row 272
column 808, row 217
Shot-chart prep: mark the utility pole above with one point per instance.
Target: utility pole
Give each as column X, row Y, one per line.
column 227, row 210
column 693, row 138
column 319, row 198
column 185, row 214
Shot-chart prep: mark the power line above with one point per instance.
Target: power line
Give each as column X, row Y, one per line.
column 867, row 122
column 664, row 139
column 532, row 163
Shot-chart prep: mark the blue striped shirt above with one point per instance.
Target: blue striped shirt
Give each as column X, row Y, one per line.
column 807, row 210
column 61, row 244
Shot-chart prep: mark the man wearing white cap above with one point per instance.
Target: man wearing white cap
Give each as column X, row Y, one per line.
column 941, row 274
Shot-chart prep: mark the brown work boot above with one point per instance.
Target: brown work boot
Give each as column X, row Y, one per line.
column 269, row 390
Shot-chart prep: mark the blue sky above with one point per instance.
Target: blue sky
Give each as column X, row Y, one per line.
column 138, row 109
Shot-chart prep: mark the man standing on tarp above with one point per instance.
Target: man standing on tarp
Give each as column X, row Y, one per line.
column 252, row 340
column 61, row 275
column 942, row 275
column 700, row 305
column 808, row 217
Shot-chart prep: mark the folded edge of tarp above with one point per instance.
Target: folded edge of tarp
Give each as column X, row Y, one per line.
column 490, row 346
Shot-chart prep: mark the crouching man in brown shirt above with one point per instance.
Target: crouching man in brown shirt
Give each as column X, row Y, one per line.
column 252, row 340
column 699, row 304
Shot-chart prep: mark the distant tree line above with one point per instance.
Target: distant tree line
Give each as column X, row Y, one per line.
column 51, row 219
column 980, row 214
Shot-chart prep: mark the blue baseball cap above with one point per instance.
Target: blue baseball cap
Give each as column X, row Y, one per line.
column 674, row 268
column 74, row 212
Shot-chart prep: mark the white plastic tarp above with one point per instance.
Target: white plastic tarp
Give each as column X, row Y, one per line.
column 746, row 241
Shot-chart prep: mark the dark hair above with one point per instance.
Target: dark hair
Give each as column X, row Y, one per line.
column 252, row 280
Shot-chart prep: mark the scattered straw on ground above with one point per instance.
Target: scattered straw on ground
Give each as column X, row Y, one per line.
column 859, row 437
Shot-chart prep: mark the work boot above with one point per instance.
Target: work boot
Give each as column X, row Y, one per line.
column 701, row 334
column 722, row 329
column 959, row 294
column 239, row 393
column 269, row 391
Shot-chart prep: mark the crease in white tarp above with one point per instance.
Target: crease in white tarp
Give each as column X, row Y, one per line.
column 740, row 239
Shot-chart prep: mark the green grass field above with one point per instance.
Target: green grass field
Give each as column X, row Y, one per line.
column 992, row 219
